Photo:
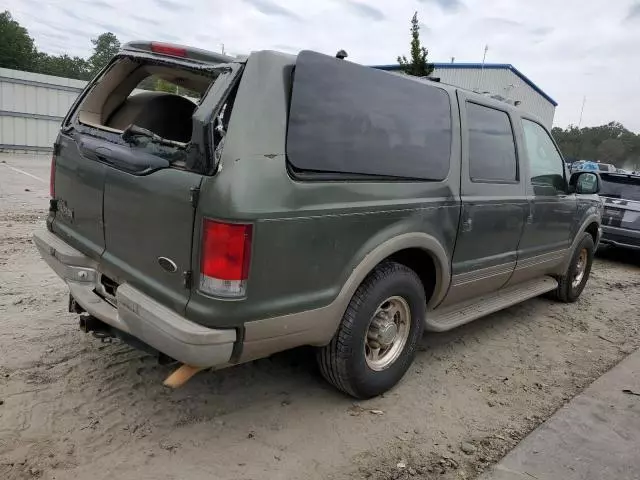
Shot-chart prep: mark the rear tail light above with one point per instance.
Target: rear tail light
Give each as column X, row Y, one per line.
column 225, row 257
column 52, row 177
column 168, row 49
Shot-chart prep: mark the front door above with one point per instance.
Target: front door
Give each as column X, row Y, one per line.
column 547, row 232
column 494, row 202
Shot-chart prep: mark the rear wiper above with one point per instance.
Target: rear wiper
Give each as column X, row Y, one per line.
column 132, row 131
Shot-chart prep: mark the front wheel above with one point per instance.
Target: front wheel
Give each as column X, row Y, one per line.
column 571, row 284
column 376, row 341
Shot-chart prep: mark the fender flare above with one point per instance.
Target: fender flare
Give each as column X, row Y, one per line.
column 419, row 240
column 591, row 218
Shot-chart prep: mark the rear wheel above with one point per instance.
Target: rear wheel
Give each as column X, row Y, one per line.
column 377, row 338
column 571, row 284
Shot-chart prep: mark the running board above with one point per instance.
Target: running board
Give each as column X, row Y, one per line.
column 441, row 320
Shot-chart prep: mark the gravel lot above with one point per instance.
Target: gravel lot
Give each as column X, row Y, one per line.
column 72, row 407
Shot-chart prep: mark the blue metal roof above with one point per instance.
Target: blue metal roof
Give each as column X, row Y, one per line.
column 488, row 66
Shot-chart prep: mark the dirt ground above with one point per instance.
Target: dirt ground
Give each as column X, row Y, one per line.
column 72, row 407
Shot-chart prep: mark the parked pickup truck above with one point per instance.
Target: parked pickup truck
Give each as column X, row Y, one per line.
column 288, row 200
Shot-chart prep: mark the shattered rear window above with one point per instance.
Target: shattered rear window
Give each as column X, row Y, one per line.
column 151, row 99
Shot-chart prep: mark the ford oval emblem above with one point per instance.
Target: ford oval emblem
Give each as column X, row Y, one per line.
column 167, row 264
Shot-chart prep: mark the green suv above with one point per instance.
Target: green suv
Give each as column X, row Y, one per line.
column 263, row 204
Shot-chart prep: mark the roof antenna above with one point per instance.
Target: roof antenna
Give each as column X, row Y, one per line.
column 341, row 54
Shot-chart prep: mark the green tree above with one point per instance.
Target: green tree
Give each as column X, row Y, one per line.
column 612, row 151
column 569, row 140
column 17, row 50
column 104, row 48
column 417, row 65
column 157, row 84
column 148, row 83
column 164, row 86
column 610, row 143
column 62, row 66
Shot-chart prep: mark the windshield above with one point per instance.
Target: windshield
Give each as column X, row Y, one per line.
column 627, row 188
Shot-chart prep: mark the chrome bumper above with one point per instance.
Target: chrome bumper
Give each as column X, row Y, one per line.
column 136, row 313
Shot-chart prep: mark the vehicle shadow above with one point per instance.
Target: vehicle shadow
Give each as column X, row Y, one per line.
column 253, row 392
column 293, row 376
column 114, row 399
column 619, row 255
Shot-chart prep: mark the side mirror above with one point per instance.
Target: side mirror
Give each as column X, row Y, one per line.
column 585, row 183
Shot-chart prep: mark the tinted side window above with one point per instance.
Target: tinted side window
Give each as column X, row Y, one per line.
column 492, row 150
column 545, row 163
column 348, row 119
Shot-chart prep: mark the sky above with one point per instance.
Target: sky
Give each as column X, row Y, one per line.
column 571, row 49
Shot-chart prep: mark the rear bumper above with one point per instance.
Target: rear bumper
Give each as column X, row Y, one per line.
column 621, row 237
column 136, row 313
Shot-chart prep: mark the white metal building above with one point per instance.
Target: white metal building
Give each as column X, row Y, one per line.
column 497, row 79
column 32, row 106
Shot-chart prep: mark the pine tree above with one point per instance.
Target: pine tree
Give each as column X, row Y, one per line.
column 418, row 65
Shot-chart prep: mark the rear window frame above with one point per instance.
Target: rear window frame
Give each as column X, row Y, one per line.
column 142, row 60
column 71, row 118
column 205, row 112
column 308, row 174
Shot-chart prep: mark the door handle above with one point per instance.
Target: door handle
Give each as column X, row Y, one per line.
column 530, row 218
column 467, row 225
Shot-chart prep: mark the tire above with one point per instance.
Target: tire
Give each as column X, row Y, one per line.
column 567, row 292
column 348, row 362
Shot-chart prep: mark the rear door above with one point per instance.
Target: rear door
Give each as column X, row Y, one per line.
column 494, row 202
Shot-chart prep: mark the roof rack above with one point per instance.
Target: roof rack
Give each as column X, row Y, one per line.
column 494, row 96
column 500, row 98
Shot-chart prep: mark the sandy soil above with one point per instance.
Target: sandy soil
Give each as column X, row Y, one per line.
column 72, row 407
